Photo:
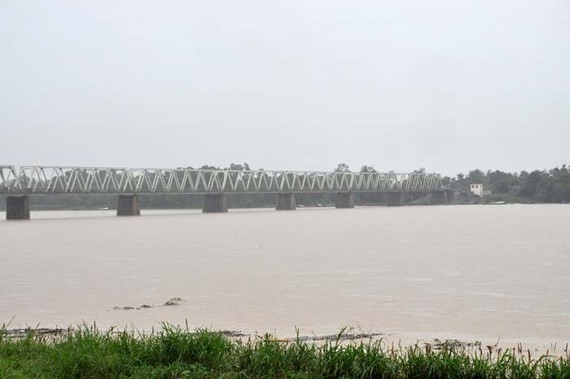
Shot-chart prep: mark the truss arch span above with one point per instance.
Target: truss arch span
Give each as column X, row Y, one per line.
column 90, row 180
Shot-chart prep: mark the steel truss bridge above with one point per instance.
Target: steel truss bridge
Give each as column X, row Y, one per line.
column 25, row 180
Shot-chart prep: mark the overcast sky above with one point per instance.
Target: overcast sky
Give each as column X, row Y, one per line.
column 448, row 85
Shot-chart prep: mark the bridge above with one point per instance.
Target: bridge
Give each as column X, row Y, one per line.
column 19, row 183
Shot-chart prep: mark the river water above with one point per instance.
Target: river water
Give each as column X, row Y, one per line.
column 467, row 272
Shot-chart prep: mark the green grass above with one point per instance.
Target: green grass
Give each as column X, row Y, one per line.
column 177, row 353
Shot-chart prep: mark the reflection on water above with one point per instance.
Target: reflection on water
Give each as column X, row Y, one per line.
column 448, row 271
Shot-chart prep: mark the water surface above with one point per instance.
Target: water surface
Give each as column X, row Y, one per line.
column 467, row 272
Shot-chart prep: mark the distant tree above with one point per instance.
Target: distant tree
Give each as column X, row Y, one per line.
column 544, row 189
column 206, row 167
column 501, row 182
column 367, row 169
column 529, row 183
column 459, row 184
column 561, row 184
column 239, row 167
column 342, row 167
column 475, row 176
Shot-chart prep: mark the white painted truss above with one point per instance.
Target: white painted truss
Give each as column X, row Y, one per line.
column 55, row 180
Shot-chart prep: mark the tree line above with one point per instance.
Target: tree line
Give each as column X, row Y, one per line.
column 538, row 186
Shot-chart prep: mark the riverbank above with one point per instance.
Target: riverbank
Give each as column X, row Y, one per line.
column 175, row 353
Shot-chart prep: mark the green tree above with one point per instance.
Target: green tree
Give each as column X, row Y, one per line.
column 367, row 169
column 502, row 182
column 239, row 167
column 560, row 185
column 475, row 176
column 529, row 183
column 206, row 167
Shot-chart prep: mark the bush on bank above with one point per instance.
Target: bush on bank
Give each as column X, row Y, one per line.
column 175, row 353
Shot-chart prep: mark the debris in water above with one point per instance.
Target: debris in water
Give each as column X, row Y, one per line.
column 170, row 303
column 174, row 301
column 127, row 308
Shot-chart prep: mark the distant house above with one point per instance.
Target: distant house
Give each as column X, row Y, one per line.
column 476, row 189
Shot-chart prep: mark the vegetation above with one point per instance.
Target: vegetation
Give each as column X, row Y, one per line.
column 552, row 186
column 176, row 353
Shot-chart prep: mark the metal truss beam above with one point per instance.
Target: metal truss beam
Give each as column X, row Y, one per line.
column 74, row 180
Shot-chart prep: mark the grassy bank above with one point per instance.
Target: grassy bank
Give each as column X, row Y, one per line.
column 175, row 353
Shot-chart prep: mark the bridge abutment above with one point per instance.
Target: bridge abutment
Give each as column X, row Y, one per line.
column 394, row 199
column 344, row 200
column 285, row 202
column 128, row 205
column 17, row 208
column 215, row 203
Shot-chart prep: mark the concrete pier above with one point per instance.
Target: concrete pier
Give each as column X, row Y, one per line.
column 128, row 205
column 285, row 202
column 17, row 208
column 344, row 200
column 215, row 203
column 438, row 198
column 394, row 199
column 414, row 196
column 450, row 197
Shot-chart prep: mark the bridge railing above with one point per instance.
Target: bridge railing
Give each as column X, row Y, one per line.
column 56, row 179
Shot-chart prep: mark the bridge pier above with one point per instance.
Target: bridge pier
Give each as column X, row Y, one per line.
column 417, row 195
column 128, row 206
column 344, row 200
column 17, row 208
column 394, row 199
column 215, row 203
column 285, row 202
column 438, row 198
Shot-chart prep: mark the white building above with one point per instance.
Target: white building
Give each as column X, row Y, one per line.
column 476, row 189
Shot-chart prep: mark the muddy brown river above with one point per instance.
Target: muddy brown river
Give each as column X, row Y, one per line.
column 483, row 273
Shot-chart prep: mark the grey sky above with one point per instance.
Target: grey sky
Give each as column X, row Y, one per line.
column 448, row 85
